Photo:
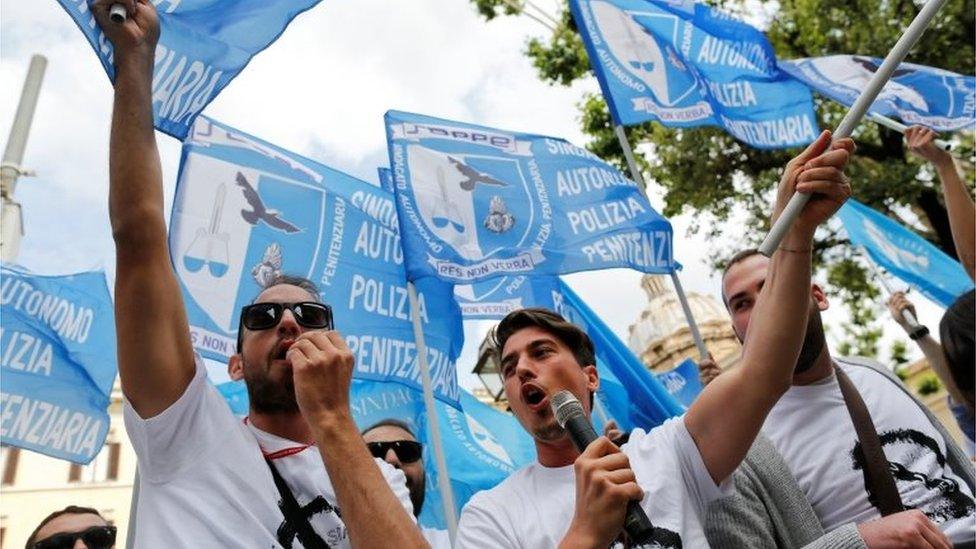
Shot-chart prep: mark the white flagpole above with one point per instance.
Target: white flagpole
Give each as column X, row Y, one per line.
column 601, row 412
column 900, row 128
column 443, row 479
column 639, row 179
column 855, row 114
column 913, row 325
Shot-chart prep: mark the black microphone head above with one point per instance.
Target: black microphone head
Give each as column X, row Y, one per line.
column 565, row 406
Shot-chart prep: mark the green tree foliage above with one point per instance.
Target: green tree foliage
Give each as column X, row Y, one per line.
column 707, row 172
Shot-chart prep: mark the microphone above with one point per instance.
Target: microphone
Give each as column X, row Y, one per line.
column 571, row 416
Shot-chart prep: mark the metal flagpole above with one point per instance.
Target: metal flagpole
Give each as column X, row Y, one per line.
column 635, row 173
column 13, row 155
column 854, row 115
column 601, row 412
column 913, row 325
column 900, row 128
column 447, row 494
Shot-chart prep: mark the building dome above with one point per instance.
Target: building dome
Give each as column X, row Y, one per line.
column 661, row 336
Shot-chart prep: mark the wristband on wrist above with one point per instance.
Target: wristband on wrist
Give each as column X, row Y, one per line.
column 919, row 332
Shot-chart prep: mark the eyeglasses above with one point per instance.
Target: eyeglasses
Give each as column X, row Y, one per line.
column 96, row 537
column 262, row 316
column 407, row 451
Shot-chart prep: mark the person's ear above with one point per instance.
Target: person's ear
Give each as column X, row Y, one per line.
column 235, row 367
column 819, row 297
column 592, row 378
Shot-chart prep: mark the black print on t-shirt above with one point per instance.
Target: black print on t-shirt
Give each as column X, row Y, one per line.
column 662, row 538
column 287, row 532
column 951, row 504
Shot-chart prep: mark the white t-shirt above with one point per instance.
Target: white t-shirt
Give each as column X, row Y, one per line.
column 534, row 507
column 812, row 429
column 438, row 539
column 204, row 481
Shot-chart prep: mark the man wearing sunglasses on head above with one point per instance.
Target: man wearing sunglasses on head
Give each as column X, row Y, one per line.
column 392, row 441
column 73, row 527
column 296, row 472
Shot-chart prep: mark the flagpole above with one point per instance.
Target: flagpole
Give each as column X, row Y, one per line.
column 443, row 479
column 855, row 114
column 900, row 128
column 913, row 325
column 636, row 175
column 601, row 412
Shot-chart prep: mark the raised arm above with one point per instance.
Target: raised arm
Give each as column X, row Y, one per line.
column 154, row 351
column 958, row 201
column 728, row 414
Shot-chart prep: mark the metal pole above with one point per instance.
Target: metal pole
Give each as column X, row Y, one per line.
column 695, row 334
column 855, row 114
column 913, row 325
column 10, row 168
column 900, row 128
column 635, row 173
column 447, row 494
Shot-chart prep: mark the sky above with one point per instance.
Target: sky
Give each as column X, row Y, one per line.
column 320, row 90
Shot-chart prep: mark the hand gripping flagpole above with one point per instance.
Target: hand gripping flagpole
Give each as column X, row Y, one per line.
column 913, row 326
column 900, row 128
column 443, row 479
column 636, row 175
column 855, row 114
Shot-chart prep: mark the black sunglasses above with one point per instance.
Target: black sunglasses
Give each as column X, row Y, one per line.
column 96, row 537
column 262, row 316
column 407, row 451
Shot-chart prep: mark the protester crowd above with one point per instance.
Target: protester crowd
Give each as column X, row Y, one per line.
column 793, row 447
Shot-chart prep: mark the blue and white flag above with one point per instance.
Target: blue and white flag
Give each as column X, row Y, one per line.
column 905, row 254
column 386, row 179
column 246, row 211
column 682, row 382
column 476, row 203
column 939, row 99
column 685, row 64
column 57, row 355
column 203, row 45
column 630, row 395
column 483, row 447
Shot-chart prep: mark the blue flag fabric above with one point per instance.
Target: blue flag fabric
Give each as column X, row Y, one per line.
column 939, row 99
column 630, row 395
column 905, row 254
column 57, row 355
column 386, row 179
column 685, row 64
column 682, row 382
column 203, row 45
column 246, row 211
column 476, row 203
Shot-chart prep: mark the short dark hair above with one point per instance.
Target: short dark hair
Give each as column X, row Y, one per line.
column 292, row 280
column 279, row 279
column 739, row 257
column 69, row 510
column 568, row 333
column 956, row 330
column 391, row 422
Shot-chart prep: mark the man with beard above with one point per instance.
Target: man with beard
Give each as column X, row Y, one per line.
column 392, row 441
column 279, row 478
column 572, row 499
column 812, row 431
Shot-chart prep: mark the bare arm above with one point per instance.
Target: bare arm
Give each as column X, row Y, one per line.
column 154, row 351
column 959, row 203
column 931, row 348
column 728, row 414
column 322, row 366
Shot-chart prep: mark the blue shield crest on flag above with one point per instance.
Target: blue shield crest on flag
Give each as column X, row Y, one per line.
column 477, row 203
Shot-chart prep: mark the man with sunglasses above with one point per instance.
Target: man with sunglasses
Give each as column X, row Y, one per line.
column 73, row 527
column 392, row 441
column 295, row 473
